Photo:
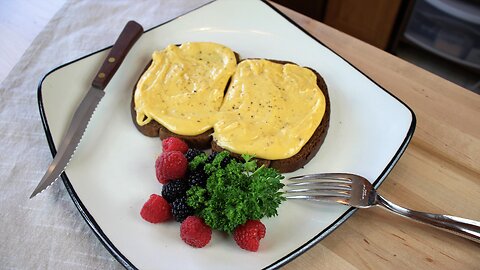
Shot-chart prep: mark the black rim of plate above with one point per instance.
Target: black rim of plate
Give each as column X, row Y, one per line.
column 281, row 261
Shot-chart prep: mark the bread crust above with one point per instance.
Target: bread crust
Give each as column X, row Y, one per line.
column 310, row 149
column 204, row 140
column 155, row 129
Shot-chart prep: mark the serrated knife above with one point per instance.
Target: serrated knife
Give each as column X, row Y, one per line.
column 129, row 35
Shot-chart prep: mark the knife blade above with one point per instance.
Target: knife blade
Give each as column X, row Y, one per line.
column 127, row 38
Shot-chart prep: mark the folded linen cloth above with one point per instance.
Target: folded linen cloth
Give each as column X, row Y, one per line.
column 48, row 232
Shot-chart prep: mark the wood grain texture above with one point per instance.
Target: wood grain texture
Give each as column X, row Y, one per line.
column 369, row 20
column 439, row 172
column 125, row 41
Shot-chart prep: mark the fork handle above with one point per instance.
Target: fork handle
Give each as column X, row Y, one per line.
column 467, row 228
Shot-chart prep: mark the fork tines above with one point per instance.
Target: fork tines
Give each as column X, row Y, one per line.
column 343, row 177
column 324, row 187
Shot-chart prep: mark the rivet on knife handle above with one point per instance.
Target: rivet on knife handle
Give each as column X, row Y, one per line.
column 84, row 111
column 125, row 41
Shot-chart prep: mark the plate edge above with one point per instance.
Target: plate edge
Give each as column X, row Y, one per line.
column 71, row 191
column 280, row 262
column 408, row 136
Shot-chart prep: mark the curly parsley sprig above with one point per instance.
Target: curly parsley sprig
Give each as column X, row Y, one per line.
column 235, row 193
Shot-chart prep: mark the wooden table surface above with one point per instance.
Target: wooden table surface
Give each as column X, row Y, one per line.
column 439, row 172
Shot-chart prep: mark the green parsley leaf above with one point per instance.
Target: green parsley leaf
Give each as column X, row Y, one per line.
column 250, row 164
column 236, row 193
column 199, row 159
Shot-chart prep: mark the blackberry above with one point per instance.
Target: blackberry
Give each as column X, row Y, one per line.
column 180, row 209
column 211, row 157
column 197, row 178
column 192, row 153
column 174, row 190
column 225, row 162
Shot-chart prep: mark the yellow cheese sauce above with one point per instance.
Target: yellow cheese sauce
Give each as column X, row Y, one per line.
column 184, row 86
column 270, row 110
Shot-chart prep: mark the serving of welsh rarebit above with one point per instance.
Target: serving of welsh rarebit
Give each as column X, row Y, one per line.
column 275, row 110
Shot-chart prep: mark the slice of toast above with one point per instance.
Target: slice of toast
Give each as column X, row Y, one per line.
column 310, row 148
column 154, row 128
column 204, row 140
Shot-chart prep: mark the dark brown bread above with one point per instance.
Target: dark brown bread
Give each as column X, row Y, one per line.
column 204, row 140
column 154, row 129
column 310, row 149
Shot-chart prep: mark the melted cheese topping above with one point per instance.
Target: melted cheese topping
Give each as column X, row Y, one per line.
column 183, row 87
column 270, row 110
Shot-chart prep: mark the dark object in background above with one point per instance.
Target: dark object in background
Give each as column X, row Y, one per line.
column 373, row 21
column 314, row 9
column 447, row 28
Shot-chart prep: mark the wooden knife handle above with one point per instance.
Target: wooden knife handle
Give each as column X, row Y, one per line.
column 130, row 34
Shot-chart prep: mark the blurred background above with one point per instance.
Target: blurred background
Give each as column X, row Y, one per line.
column 441, row 36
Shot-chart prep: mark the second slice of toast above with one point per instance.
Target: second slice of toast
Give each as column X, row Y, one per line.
column 308, row 150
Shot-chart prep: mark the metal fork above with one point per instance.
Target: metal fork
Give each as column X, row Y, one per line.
column 356, row 191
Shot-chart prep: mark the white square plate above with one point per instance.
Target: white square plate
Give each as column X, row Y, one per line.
column 112, row 172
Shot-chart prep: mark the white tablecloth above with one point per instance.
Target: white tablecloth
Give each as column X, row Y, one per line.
column 47, row 232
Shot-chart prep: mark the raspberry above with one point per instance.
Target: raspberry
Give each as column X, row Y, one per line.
column 195, row 232
column 197, row 178
column 180, row 209
column 192, row 153
column 249, row 234
column 156, row 209
column 170, row 165
column 174, row 190
column 174, row 144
